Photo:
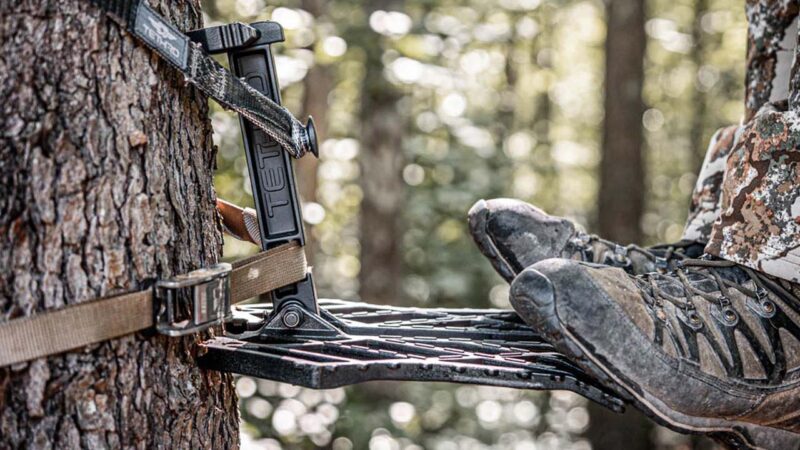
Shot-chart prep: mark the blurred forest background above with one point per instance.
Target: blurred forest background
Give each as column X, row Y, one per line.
column 424, row 107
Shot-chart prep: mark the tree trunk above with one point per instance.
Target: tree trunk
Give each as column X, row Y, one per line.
column 698, row 141
column 106, row 165
column 621, row 195
column 316, row 86
column 621, row 198
column 381, row 161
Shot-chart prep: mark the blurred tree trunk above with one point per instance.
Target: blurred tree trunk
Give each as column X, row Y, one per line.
column 622, row 187
column 316, row 86
column 549, row 195
column 106, row 165
column 381, row 160
column 698, row 141
column 621, row 197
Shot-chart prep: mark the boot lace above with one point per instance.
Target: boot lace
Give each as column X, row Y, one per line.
column 663, row 256
column 691, row 273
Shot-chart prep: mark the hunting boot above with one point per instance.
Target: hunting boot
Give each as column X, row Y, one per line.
column 715, row 343
column 513, row 235
column 709, row 347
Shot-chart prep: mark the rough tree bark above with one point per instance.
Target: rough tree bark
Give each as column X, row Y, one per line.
column 381, row 160
column 621, row 198
column 106, row 165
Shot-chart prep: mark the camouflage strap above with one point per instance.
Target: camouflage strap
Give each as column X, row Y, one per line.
column 207, row 75
column 99, row 320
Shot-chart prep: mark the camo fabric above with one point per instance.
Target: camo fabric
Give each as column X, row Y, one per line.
column 759, row 221
column 771, row 36
column 704, row 209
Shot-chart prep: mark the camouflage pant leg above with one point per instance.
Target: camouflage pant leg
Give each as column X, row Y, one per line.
column 771, row 36
column 704, row 208
column 759, row 216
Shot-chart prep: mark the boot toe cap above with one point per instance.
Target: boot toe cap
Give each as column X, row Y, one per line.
column 533, row 297
column 550, row 286
column 514, row 234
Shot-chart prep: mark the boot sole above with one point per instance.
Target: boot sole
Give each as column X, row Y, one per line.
column 478, row 217
column 736, row 435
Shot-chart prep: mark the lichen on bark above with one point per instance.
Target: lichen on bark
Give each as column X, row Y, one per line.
column 106, row 166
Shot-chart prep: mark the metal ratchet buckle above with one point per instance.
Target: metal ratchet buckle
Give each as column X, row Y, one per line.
column 193, row 302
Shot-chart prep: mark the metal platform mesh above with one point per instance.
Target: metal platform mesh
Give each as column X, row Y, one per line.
column 376, row 342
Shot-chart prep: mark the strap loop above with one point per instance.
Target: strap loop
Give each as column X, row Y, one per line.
column 209, row 76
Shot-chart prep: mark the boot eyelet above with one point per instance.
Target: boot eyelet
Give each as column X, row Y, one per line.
column 764, row 308
column 729, row 316
column 690, row 317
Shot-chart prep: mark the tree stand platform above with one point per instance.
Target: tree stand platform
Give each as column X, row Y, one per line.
column 351, row 342
column 294, row 338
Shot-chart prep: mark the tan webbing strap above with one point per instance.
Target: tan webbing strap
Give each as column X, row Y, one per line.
column 75, row 326
column 259, row 274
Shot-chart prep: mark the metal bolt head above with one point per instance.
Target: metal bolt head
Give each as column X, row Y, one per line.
column 292, row 317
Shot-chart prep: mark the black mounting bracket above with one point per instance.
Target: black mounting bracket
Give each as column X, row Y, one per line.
column 271, row 173
column 295, row 338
